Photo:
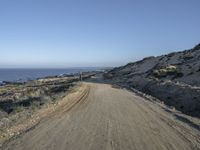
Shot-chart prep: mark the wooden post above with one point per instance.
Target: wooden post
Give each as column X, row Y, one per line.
column 80, row 76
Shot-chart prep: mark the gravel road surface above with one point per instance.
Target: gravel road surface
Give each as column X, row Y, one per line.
column 108, row 118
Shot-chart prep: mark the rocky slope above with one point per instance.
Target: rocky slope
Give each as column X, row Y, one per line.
column 172, row 78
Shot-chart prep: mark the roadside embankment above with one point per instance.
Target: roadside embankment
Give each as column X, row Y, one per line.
column 173, row 78
column 22, row 106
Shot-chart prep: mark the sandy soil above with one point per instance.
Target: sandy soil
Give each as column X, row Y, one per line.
column 106, row 118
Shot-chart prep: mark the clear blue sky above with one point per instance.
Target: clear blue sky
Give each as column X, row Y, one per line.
column 77, row 33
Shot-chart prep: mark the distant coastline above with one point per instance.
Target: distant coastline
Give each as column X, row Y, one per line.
column 25, row 74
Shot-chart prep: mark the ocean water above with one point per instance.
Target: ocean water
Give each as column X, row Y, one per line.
column 29, row 74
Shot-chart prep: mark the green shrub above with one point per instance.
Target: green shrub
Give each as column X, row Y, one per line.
column 35, row 105
column 165, row 71
column 19, row 109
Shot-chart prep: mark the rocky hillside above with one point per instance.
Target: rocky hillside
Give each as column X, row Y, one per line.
column 172, row 78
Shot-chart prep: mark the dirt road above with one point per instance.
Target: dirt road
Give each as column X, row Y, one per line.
column 109, row 118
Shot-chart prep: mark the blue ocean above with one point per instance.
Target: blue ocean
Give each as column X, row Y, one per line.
column 30, row 74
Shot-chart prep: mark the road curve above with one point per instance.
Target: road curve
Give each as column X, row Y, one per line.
column 108, row 119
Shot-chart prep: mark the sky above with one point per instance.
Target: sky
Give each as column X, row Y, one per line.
column 94, row 33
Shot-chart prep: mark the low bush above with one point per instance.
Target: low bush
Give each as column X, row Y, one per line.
column 166, row 71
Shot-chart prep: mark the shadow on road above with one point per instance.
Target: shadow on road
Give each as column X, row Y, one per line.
column 98, row 78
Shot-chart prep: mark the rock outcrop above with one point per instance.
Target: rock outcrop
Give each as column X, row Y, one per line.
column 172, row 78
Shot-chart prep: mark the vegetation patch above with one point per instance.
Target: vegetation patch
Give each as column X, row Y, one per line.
column 188, row 57
column 167, row 71
column 18, row 102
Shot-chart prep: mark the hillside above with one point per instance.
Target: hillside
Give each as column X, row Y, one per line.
column 173, row 78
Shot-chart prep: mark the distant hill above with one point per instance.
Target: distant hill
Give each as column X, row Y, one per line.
column 173, row 78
